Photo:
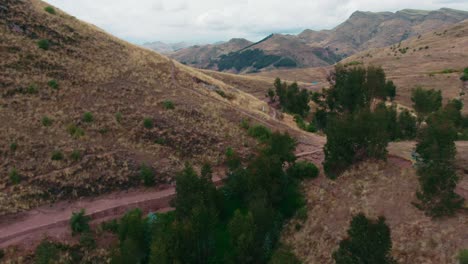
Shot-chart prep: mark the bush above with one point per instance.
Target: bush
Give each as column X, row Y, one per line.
column 15, row 178
column 284, row 256
column 148, row 123
column 110, row 226
column 465, row 75
column 53, row 84
column 463, row 256
column 245, row 124
column 168, row 105
column 79, row 222
column 50, row 10
column 32, row 89
column 57, row 155
column 147, row 175
column 88, row 117
column 87, row 240
column 46, row 121
column 13, row 146
column 75, row 155
column 302, row 170
column 43, row 44
column 75, row 131
column 259, row 132
column 46, row 253
column 118, row 117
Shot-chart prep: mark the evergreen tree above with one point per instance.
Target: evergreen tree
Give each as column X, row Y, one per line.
column 242, row 232
column 368, row 242
column 406, row 125
column 426, row 101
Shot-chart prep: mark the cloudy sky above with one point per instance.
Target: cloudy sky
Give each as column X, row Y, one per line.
column 201, row 21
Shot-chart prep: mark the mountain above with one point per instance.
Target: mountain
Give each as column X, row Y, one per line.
column 361, row 31
column 165, row 48
column 82, row 111
column 364, row 30
column 201, row 56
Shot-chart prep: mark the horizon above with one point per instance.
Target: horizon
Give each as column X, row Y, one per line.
column 211, row 21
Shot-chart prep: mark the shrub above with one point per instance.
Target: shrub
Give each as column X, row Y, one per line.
column 75, row 155
column 32, row 89
column 148, row 123
column 302, row 170
column 50, row 10
column 118, row 117
column 53, row 84
column 15, row 178
column 463, row 256
column 57, row 155
column 259, row 132
column 46, row 253
column 79, row 222
column 13, row 146
column 147, row 175
column 43, row 44
column 87, row 117
column 46, row 121
column 87, row 240
column 168, row 105
column 465, row 75
column 75, row 131
column 245, row 124
column 111, row 226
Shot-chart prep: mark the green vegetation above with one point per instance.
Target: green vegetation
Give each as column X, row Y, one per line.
column 426, row 101
column 463, row 256
column 464, row 77
column 291, row 98
column 286, row 63
column 237, row 223
column 46, row 121
column 303, row 170
column 13, row 146
column 57, row 155
column 46, row 253
column 43, row 44
column 49, row 10
column 87, row 117
column 309, row 127
column 406, row 125
column 75, row 131
column 53, row 84
column 436, row 167
column 87, row 240
column 168, row 104
column 248, row 58
column 118, row 117
column 353, row 63
column 259, row 132
column 368, row 242
column 79, row 222
column 32, row 89
column 357, row 126
column 148, row 123
column 147, row 175
column 14, row 176
column 75, row 155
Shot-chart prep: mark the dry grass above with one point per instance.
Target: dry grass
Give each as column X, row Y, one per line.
column 103, row 75
column 375, row 189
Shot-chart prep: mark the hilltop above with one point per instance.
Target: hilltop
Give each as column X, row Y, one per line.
column 165, row 48
column 84, row 111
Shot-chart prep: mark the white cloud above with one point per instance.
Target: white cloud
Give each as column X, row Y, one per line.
column 213, row 20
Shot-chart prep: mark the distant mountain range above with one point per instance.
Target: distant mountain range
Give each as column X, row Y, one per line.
column 165, row 48
column 361, row 31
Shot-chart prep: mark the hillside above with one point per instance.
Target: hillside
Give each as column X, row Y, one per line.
column 83, row 111
column 201, row 56
column 165, row 48
column 433, row 60
column 361, row 31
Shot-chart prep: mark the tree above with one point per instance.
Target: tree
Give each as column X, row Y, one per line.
column 46, row 253
column 436, row 171
column 291, row 98
column 368, row 241
column 426, row 101
column 302, row 170
column 406, row 125
column 242, row 232
column 391, row 90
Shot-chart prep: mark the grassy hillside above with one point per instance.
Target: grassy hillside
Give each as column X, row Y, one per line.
column 434, row 60
column 82, row 111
